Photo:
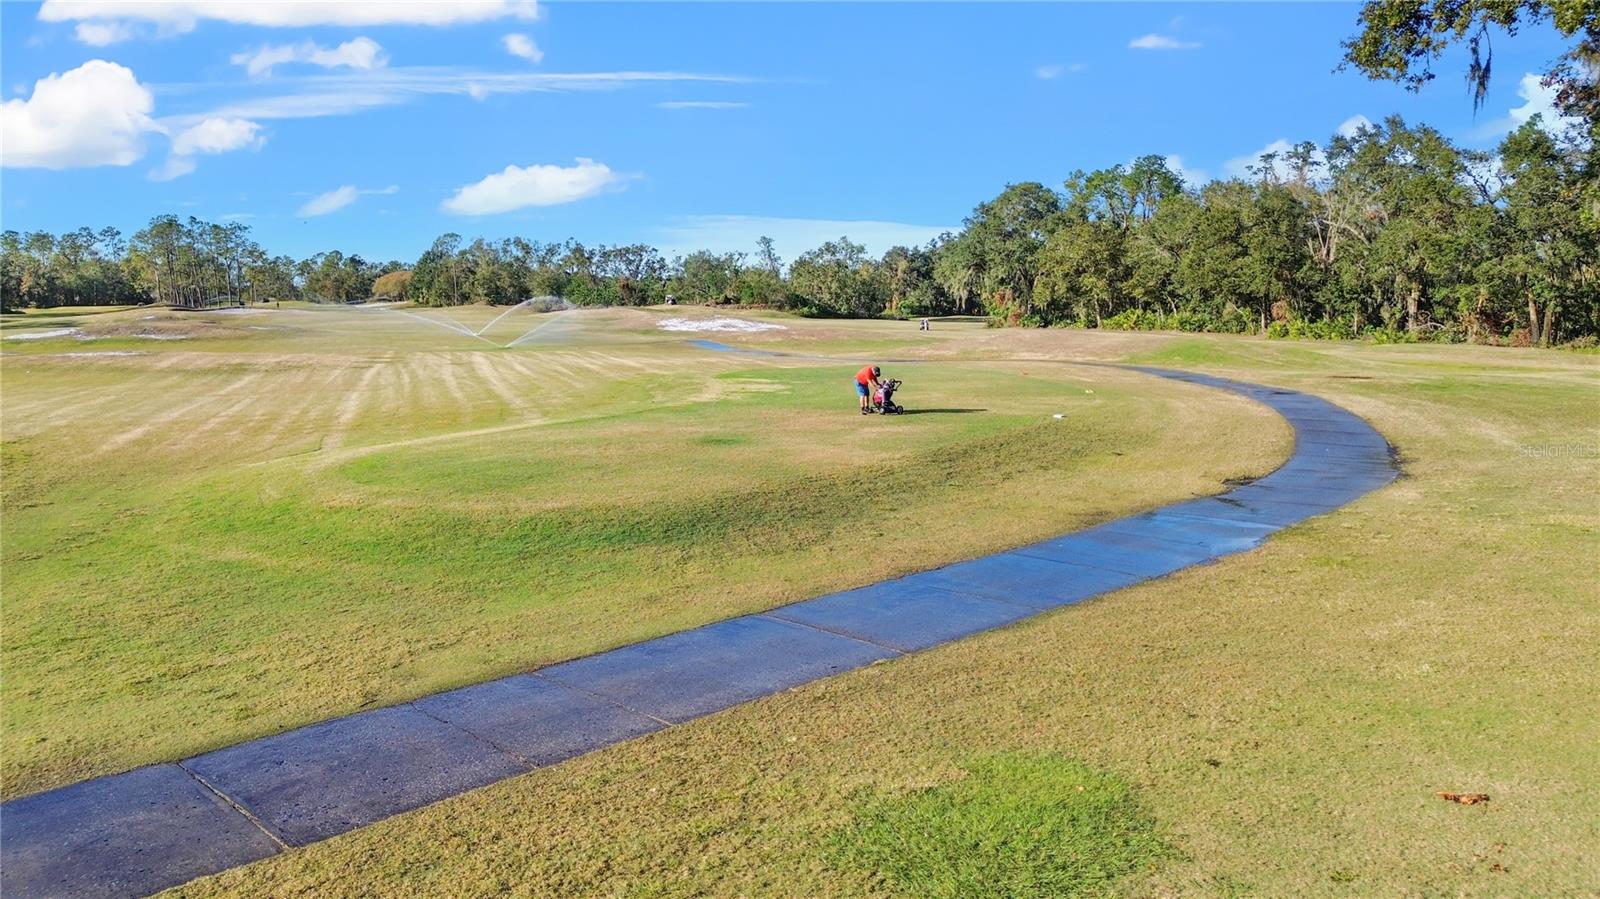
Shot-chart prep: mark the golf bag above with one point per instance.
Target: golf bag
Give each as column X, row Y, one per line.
column 883, row 398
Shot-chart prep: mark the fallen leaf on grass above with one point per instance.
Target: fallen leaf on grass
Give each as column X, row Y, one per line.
column 1464, row 798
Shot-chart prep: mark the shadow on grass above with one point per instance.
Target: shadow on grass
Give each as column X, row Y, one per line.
column 941, row 411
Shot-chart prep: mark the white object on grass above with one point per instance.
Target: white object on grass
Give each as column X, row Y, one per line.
column 716, row 324
column 41, row 335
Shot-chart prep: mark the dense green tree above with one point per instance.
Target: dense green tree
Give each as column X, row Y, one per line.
column 911, row 287
column 839, row 278
column 1548, row 251
column 1400, row 40
column 1155, row 251
column 706, row 277
column 1083, row 273
column 436, row 278
column 1420, row 193
column 1276, row 253
column 1211, row 276
column 996, row 257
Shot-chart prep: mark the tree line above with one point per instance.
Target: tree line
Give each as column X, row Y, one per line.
column 171, row 261
column 1391, row 231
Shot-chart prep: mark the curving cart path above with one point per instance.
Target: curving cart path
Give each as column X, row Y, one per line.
column 145, row 830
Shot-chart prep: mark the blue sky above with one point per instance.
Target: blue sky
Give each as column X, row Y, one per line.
column 373, row 128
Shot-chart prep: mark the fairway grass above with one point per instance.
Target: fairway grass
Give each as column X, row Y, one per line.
column 271, row 518
column 1016, row 824
column 1285, row 717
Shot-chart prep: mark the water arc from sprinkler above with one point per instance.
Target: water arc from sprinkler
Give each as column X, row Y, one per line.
column 504, row 314
column 555, row 316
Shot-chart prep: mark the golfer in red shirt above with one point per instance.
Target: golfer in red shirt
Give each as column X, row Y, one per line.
column 866, row 382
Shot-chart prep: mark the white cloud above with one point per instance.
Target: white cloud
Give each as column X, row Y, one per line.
column 210, row 135
column 1056, row 70
column 343, row 93
column 1192, row 177
column 174, row 167
column 180, row 16
column 523, row 46
column 299, row 106
column 96, row 114
column 1538, row 100
column 701, row 104
column 1239, row 166
column 359, row 53
column 1161, row 42
column 216, row 135
column 1352, row 126
column 790, row 236
column 102, row 34
column 340, row 197
column 534, row 185
column 332, row 201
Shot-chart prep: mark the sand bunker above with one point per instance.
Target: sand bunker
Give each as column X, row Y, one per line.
column 716, row 324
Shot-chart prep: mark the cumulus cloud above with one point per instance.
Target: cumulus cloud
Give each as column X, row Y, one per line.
column 1537, row 100
column 1240, row 166
column 96, row 114
column 522, row 46
column 1161, row 42
column 210, row 136
column 1056, row 70
column 701, row 104
column 360, row 53
column 180, row 16
column 1352, row 126
column 217, row 135
column 534, row 185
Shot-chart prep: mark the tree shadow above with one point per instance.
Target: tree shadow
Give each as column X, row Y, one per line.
column 941, row 411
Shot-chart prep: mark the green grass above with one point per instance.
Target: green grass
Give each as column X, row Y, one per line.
column 1018, row 825
column 1285, row 717
column 222, row 538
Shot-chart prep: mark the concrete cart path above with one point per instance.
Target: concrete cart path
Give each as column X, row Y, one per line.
column 145, row 830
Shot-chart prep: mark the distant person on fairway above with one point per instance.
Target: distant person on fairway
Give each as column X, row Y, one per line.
column 866, row 382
